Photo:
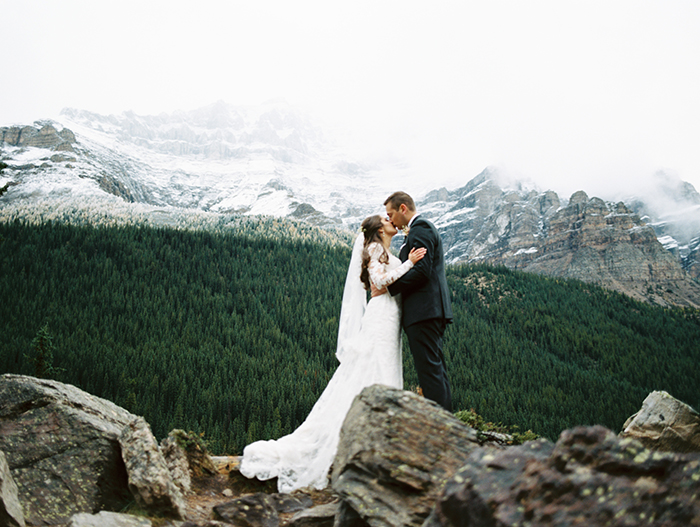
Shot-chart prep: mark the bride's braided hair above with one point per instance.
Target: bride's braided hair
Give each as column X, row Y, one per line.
column 370, row 228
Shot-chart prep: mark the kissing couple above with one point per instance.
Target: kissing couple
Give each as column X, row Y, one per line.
column 409, row 291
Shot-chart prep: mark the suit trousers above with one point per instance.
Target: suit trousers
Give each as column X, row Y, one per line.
column 425, row 341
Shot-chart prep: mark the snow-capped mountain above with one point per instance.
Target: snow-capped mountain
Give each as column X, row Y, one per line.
column 272, row 160
column 264, row 160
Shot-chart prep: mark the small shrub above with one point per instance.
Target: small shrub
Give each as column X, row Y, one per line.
column 471, row 418
column 197, row 452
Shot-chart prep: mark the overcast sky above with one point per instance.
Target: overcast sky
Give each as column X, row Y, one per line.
column 571, row 94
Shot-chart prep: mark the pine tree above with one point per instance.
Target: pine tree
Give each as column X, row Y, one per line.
column 42, row 358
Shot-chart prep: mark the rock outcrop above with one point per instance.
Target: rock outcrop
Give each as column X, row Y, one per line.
column 62, row 447
column 150, row 481
column 665, row 423
column 396, row 450
column 402, row 461
column 590, row 477
column 45, row 137
column 70, row 452
column 596, row 242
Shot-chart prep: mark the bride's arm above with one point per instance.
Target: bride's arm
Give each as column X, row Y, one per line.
column 379, row 273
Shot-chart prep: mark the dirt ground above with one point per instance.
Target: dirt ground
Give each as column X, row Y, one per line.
column 211, row 490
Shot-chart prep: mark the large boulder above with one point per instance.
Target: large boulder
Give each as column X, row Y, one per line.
column 11, row 514
column 396, row 451
column 665, row 423
column 590, row 477
column 62, row 448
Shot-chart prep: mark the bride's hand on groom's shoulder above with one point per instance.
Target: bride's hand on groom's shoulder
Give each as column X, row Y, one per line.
column 417, row 254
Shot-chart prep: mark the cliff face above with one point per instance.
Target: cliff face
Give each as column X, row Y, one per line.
column 584, row 238
column 609, row 244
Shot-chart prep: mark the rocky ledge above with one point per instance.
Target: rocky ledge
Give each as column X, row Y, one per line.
column 70, row 459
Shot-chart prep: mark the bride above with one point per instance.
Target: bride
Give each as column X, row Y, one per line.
column 369, row 351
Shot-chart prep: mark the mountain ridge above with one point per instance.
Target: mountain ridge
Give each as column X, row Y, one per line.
column 272, row 160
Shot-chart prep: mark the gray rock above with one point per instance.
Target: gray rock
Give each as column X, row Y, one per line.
column 346, row 516
column 590, row 477
column 62, row 448
column 11, row 514
column 176, row 460
column 107, row 519
column 290, row 503
column 149, row 478
column 468, row 496
column 255, row 510
column 396, row 451
column 321, row 516
column 665, row 423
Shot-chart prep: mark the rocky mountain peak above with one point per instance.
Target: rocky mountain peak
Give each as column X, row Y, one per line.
column 586, row 238
column 548, row 202
column 579, row 200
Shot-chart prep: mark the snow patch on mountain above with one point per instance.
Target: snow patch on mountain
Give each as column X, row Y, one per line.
column 266, row 160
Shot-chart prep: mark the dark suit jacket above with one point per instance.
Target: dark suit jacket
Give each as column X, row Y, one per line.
column 423, row 289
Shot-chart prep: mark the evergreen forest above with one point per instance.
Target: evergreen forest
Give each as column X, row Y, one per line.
column 232, row 335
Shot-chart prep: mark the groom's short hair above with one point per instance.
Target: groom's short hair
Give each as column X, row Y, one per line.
column 399, row 198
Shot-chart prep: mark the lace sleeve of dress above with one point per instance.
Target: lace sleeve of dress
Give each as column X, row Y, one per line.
column 379, row 273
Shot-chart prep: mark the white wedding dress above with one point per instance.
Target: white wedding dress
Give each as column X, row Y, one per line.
column 369, row 350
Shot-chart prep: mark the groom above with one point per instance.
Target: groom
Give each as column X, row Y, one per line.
column 425, row 297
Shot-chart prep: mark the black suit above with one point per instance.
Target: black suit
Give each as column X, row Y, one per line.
column 426, row 310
